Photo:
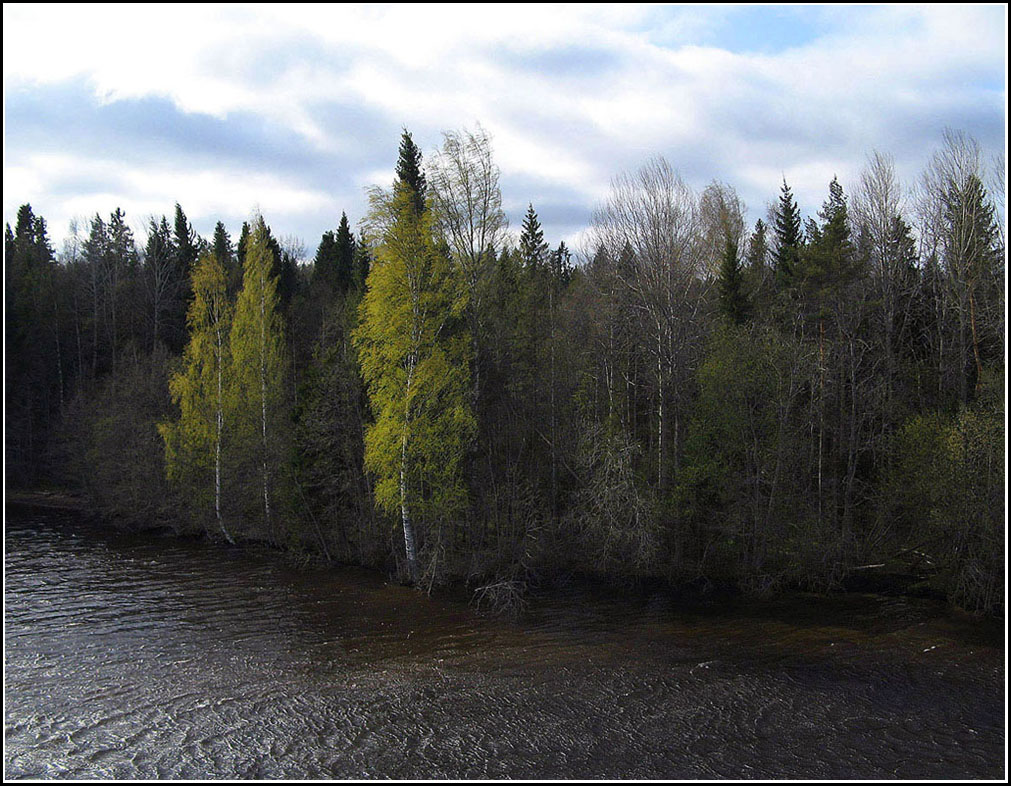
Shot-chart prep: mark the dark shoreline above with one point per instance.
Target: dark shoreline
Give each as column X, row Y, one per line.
column 708, row 599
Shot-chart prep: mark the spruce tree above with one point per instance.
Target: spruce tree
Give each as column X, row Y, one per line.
column 409, row 171
column 345, row 253
column 361, row 263
column 533, row 249
column 758, row 249
column 185, row 243
column 324, row 267
column 786, row 254
column 733, row 301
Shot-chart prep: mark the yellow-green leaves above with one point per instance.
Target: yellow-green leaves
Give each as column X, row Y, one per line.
column 197, row 389
column 413, row 350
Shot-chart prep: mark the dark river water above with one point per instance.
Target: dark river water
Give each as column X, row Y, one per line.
column 147, row 657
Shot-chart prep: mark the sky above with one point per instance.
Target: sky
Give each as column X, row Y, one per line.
column 295, row 110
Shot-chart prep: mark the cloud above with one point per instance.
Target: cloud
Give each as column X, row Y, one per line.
column 297, row 108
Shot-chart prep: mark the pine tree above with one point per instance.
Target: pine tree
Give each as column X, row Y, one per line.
column 193, row 444
column 409, row 171
column 414, row 359
column 257, row 342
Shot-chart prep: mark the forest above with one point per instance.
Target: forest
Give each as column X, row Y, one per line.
column 791, row 405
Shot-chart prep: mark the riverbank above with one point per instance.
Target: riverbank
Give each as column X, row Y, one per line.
column 704, row 597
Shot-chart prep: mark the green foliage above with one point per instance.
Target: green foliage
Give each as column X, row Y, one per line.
column 409, row 171
column 414, row 356
column 533, row 249
column 788, row 238
column 193, row 442
column 741, row 491
column 332, row 485
column 734, row 303
column 947, row 483
column 255, row 398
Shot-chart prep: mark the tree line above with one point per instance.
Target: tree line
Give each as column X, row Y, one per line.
column 787, row 405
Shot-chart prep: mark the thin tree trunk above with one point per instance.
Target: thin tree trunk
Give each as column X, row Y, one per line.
column 217, row 446
column 409, row 545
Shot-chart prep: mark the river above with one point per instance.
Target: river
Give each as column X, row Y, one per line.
column 138, row 656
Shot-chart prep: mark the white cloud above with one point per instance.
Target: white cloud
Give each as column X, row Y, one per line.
column 808, row 110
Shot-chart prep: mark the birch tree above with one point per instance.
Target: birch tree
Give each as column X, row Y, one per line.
column 257, row 344
column 464, row 180
column 414, row 357
column 651, row 220
column 193, row 444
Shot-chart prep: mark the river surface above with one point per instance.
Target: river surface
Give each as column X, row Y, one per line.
column 130, row 656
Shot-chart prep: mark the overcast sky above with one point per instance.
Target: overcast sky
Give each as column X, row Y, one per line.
column 296, row 109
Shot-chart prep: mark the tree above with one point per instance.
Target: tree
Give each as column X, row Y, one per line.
column 257, row 346
column 163, row 280
column 887, row 243
column 464, row 181
column 186, row 243
column 345, row 254
column 649, row 225
column 758, row 250
column 194, row 443
column 324, row 267
column 414, row 358
column 733, row 299
column 222, row 249
column 361, row 262
column 533, row 249
column 33, row 359
column 721, row 218
column 409, row 171
column 786, row 253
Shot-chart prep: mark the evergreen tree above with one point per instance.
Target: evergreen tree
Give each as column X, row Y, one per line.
column 345, row 252
column 533, row 249
column 409, row 171
column 733, row 300
column 561, row 266
column 32, row 358
column 221, row 247
column 758, row 250
column 361, row 263
column 324, row 266
column 186, row 242
column 194, row 443
column 788, row 238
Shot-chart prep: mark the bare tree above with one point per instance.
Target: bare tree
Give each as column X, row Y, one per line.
column 878, row 218
column 721, row 219
column 651, row 221
column 465, row 184
column 958, row 222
